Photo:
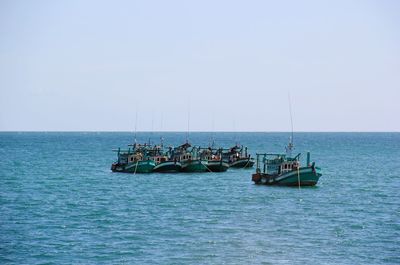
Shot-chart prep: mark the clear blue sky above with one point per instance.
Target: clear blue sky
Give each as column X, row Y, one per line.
column 89, row 65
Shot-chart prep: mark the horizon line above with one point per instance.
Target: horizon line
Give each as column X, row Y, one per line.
column 172, row 131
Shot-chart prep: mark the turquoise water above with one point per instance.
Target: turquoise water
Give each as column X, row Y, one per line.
column 60, row 203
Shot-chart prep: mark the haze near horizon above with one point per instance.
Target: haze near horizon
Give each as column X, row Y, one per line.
column 92, row 65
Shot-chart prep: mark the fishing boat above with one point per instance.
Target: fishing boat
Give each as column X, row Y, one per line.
column 237, row 157
column 167, row 166
column 217, row 165
column 167, row 162
column 134, row 161
column 191, row 160
column 285, row 170
column 214, row 160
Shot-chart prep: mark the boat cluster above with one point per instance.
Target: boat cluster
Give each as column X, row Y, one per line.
column 147, row 158
column 271, row 168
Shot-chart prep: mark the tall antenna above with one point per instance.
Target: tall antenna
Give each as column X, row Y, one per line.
column 161, row 137
column 290, row 146
column 291, row 117
column 135, row 126
column 212, row 131
column 188, row 123
column 152, row 127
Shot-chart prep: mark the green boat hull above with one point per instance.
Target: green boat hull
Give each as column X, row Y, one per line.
column 307, row 176
column 145, row 166
column 195, row 166
column 242, row 163
column 217, row 166
column 168, row 167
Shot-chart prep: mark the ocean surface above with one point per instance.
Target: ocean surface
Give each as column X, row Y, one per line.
column 61, row 204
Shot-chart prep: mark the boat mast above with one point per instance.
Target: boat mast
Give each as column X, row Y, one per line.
column 234, row 134
column 290, row 146
column 161, row 137
column 152, row 127
column 188, row 123
column 135, row 129
column 212, row 132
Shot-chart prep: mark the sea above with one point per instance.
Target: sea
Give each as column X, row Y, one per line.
column 61, row 204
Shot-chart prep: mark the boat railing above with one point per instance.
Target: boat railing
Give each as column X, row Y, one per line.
column 272, row 159
column 279, row 155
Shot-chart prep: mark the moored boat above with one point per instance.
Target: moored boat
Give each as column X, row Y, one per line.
column 279, row 169
column 140, row 166
column 242, row 162
column 196, row 165
column 237, row 157
column 214, row 160
column 217, row 165
column 164, row 161
column 168, row 167
column 191, row 160
column 134, row 161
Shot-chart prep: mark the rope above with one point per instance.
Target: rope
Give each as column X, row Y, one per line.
column 207, row 167
column 248, row 161
column 137, row 162
column 298, row 175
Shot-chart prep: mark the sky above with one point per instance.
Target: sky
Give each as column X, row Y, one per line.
column 215, row 65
